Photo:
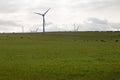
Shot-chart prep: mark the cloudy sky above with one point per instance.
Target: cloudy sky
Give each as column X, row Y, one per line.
column 89, row 15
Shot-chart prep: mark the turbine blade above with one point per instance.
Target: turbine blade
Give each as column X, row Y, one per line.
column 46, row 11
column 38, row 13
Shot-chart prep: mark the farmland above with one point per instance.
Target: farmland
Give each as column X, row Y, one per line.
column 60, row 56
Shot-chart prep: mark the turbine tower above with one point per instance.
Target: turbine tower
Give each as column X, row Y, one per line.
column 43, row 15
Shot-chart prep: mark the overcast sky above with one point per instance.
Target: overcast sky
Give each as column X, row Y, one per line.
column 89, row 15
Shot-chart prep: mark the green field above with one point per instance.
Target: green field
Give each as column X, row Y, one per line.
column 60, row 56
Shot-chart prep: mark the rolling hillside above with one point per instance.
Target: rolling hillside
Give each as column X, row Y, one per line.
column 60, row 56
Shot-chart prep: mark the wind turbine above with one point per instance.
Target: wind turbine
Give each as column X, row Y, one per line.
column 43, row 15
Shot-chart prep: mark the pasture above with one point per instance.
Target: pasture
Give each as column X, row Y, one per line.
column 60, row 56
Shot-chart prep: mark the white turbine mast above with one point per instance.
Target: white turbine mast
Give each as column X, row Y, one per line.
column 43, row 15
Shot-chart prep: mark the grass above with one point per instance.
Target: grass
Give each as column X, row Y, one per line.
column 60, row 56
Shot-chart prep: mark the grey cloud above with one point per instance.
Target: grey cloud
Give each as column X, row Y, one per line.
column 93, row 4
column 104, row 4
column 97, row 21
column 115, row 26
column 22, row 10
column 10, row 6
column 96, row 24
column 8, row 23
